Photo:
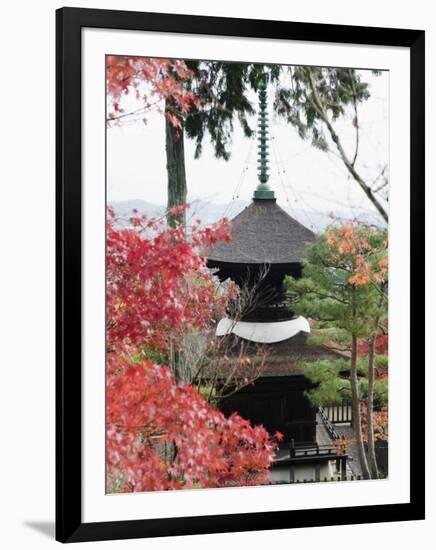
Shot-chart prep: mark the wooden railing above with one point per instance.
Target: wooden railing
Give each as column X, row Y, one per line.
column 328, row 424
column 339, row 414
column 314, row 454
column 350, row 477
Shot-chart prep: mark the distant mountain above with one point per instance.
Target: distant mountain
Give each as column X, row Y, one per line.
column 209, row 212
column 124, row 209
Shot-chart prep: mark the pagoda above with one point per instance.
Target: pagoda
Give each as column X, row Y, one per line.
column 267, row 245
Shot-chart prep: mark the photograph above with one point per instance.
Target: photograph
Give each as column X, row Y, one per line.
column 246, row 264
column 217, row 275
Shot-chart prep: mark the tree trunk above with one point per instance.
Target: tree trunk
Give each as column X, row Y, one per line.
column 355, row 405
column 176, row 364
column 175, row 152
column 370, row 408
column 177, row 192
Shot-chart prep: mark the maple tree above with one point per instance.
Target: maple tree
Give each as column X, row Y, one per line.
column 146, row 409
column 158, row 286
column 161, row 432
column 344, row 286
column 164, row 78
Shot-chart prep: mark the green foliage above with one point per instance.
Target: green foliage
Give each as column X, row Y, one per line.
column 334, row 88
column 326, row 293
column 327, row 334
column 380, row 391
column 208, row 392
column 152, row 354
column 330, row 385
column 224, row 91
column 343, row 288
column 381, row 361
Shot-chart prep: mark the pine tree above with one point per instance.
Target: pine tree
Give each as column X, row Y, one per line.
column 344, row 287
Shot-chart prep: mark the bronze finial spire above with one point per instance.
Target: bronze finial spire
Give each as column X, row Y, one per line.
column 263, row 191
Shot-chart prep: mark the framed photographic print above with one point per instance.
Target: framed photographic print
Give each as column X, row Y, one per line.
column 240, row 294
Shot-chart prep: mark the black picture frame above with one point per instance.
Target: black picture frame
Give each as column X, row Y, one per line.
column 69, row 525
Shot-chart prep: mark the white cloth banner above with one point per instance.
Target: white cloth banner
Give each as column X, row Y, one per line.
column 263, row 333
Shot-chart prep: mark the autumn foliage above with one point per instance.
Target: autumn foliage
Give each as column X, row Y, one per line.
column 162, row 434
column 381, row 345
column 158, row 286
column 379, row 422
column 351, row 246
column 164, row 78
column 147, row 410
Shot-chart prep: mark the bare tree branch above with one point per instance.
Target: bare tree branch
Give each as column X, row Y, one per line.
column 356, row 118
column 317, row 105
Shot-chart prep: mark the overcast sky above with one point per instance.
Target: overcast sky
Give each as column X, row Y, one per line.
column 306, row 181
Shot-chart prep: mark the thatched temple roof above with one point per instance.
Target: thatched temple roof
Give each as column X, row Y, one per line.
column 263, row 233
